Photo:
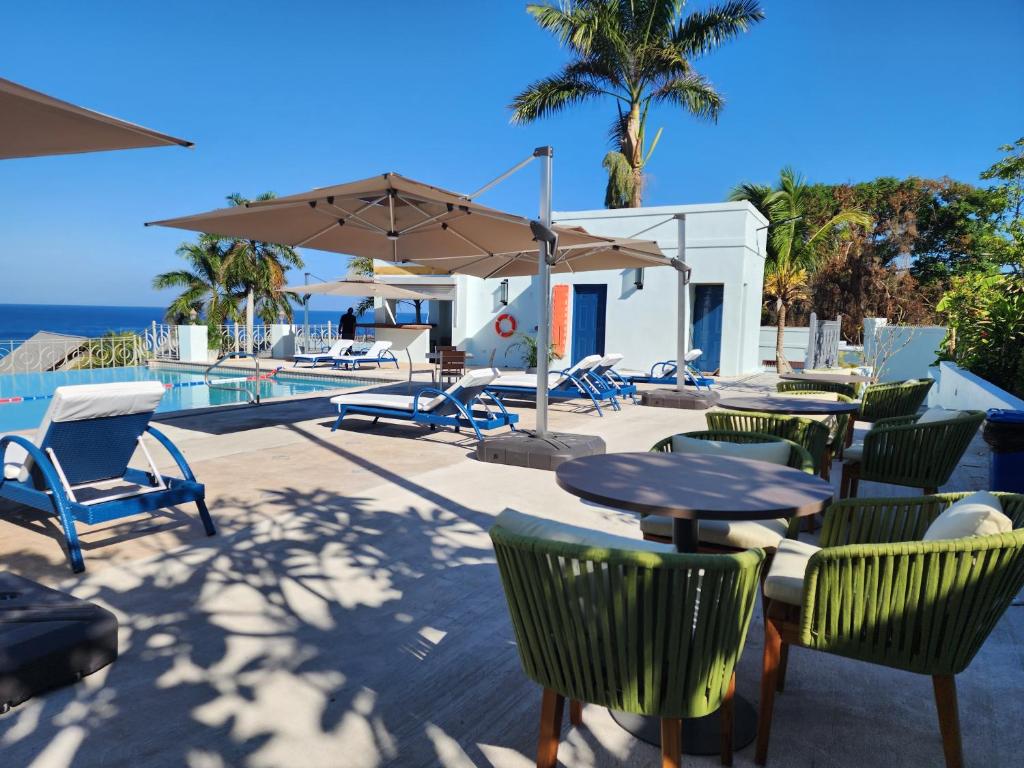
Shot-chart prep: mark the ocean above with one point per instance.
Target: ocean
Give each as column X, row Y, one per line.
column 20, row 321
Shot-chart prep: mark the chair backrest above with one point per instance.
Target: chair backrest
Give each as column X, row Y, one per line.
column 583, row 366
column 791, row 387
column 692, row 355
column 810, row 434
column 922, row 606
column 376, row 350
column 919, row 455
column 93, row 429
column 799, row 457
column 892, row 399
column 471, row 385
column 606, row 363
column 637, row 631
column 452, row 361
column 340, row 347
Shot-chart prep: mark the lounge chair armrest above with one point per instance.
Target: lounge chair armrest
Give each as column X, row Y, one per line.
column 922, row 606
column 432, row 392
column 172, row 449
column 39, row 458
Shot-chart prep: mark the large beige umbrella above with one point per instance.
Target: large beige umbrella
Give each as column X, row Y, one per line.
column 354, row 287
column 399, row 220
column 33, row 124
column 395, row 219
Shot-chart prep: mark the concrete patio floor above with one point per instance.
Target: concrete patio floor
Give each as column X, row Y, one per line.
column 349, row 613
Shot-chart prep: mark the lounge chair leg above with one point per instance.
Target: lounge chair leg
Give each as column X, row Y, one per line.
column 551, row 706
column 769, row 681
column 576, row 712
column 949, row 719
column 671, row 742
column 71, row 537
column 204, row 515
column 726, row 720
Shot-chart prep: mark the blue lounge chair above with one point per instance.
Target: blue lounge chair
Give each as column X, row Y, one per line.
column 339, row 348
column 603, row 376
column 569, row 384
column 378, row 354
column 664, row 372
column 461, row 405
column 77, row 466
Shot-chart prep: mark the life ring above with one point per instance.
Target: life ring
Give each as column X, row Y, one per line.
column 505, row 325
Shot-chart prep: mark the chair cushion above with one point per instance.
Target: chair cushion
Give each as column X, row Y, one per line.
column 555, row 530
column 936, row 414
column 738, row 534
column 773, row 453
column 785, row 580
column 979, row 514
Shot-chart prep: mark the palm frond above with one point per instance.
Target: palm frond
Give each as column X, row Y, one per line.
column 693, row 93
column 621, row 180
column 703, row 31
column 550, row 95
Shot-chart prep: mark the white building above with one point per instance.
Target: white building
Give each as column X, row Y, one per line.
column 625, row 311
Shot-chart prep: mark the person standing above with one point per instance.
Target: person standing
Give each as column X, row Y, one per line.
column 347, row 323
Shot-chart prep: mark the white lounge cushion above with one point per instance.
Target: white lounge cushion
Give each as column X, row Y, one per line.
column 376, row 350
column 479, row 377
column 553, row 530
column 935, row 414
column 739, row 534
column 773, row 453
column 337, row 349
column 979, row 514
column 785, row 580
column 526, row 380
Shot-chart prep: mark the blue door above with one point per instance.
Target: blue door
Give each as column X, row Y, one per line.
column 588, row 310
column 707, row 325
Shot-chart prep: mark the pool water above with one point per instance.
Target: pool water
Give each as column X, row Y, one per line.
column 185, row 390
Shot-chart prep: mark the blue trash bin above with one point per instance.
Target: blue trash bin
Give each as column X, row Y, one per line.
column 1004, row 433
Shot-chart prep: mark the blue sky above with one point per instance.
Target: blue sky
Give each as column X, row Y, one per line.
column 281, row 97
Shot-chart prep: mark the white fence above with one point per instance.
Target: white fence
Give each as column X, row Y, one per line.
column 962, row 390
column 47, row 352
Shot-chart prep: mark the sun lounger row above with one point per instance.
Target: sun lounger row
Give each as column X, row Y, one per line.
column 340, row 355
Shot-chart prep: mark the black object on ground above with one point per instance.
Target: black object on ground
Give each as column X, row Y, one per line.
column 523, row 449
column 48, row 639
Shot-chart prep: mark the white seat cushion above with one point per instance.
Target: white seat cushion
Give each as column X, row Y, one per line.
column 785, row 580
column 554, row 530
column 370, row 400
column 738, row 534
column 936, row 414
column 479, row 377
column 979, row 514
column 772, row 453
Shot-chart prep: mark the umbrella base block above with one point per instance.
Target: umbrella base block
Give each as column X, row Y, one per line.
column 673, row 398
column 524, row 449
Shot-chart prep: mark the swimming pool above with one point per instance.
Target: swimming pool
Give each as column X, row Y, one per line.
column 24, row 397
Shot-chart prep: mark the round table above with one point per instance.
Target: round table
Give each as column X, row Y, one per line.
column 688, row 487
column 828, row 378
column 794, row 406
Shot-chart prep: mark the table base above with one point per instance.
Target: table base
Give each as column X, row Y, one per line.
column 701, row 735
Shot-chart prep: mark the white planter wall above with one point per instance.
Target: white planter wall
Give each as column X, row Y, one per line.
column 962, row 390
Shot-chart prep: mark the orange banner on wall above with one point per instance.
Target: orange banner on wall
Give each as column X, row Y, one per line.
column 559, row 318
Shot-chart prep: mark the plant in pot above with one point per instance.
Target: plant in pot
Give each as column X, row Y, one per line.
column 526, row 345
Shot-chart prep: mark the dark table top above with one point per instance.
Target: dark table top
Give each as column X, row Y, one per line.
column 799, row 405
column 831, row 378
column 694, row 486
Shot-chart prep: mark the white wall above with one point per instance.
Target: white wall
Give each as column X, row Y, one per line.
column 795, row 343
column 958, row 389
column 901, row 351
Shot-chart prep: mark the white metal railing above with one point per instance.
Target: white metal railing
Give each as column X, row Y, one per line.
column 323, row 335
column 63, row 353
column 162, row 341
column 234, row 338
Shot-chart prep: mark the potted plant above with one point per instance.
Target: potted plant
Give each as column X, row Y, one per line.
column 527, row 347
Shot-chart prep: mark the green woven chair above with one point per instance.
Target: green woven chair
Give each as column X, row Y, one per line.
column 799, row 458
column 809, row 434
column 879, row 594
column 898, row 398
column 903, row 452
column 794, row 387
column 625, row 630
column 841, row 434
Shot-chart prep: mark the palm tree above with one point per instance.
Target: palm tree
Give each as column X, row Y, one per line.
column 206, row 284
column 259, row 268
column 637, row 52
column 794, row 246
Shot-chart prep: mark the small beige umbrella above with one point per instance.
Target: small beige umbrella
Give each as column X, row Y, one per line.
column 33, row 124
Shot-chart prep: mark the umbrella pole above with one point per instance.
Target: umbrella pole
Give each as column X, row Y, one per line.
column 683, row 305
column 305, row 318
column 543, row 292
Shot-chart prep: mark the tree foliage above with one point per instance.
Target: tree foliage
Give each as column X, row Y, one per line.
column 638, row 53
